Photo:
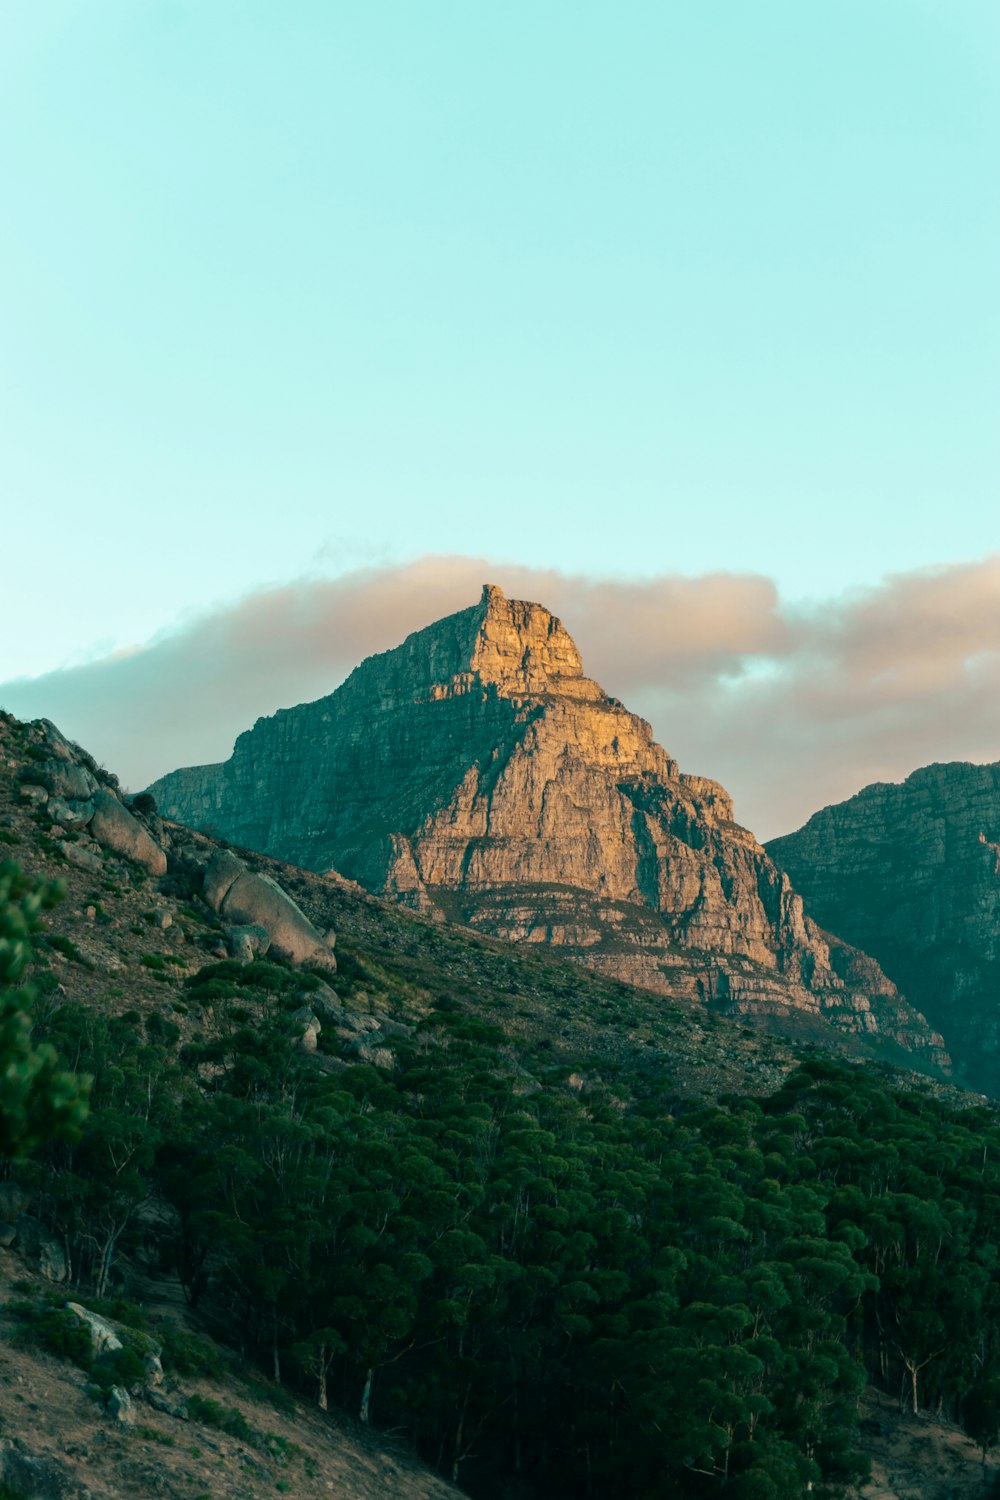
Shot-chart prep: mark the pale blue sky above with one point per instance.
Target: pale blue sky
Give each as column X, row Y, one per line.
column 618, row 288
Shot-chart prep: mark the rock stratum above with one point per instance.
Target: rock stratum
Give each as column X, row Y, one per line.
column 911, row 872
column 475, row 773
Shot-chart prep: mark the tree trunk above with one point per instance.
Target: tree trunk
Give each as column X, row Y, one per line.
column 321, row 1378
column 366, row 1397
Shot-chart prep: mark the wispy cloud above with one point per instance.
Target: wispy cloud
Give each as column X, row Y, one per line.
column 788, row 707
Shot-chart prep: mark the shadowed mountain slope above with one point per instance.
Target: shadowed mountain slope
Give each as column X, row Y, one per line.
column 911, row 872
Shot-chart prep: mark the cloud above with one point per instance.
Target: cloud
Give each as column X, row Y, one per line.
column 790, row 707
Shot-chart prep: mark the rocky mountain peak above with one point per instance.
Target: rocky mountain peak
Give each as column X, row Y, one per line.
column 522, row 649
column 475, row 773
column 512, row 646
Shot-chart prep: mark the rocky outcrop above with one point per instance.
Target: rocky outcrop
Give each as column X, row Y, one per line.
column 265, row 917
column 910, row 872
column 76, row 802
column 475, row 772
column 114, row 828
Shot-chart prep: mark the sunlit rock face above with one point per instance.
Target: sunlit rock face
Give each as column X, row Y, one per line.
column 911, row 872
column 475, row 772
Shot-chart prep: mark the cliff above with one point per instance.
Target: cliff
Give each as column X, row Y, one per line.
column 911, row 873
column 475, row 772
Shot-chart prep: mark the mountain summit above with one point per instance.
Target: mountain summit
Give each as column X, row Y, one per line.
column 474, row 772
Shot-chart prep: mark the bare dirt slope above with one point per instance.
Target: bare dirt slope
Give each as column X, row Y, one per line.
column 919, row 1458
column 60, row 1443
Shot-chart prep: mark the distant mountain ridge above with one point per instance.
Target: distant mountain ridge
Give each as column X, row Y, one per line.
column 475, row 772
column 910, row 871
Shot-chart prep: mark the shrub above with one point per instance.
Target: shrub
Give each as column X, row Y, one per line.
column 123, row 1367
column 52, row 1329
column 65, row 946
column 186, row 1354
column 159, row 1029
column 213, row 1414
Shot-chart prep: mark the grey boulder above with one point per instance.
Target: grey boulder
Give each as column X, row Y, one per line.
column 70, row 814
column 221, row 873
column 41, row 1249
column 103, row 1338
column 249, row 900
column 114, row 827
column 64, row 778
column 119, row 1406
column 84, row 857
column 248, row 943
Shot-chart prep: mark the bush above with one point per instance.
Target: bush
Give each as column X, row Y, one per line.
column 124, row 1367
column 213, row 1414
column 53, row 1330
column 186, row 1354
column 65, row 946
column 159, row 1029
column 119, row 1310
column 52, row 1327
column 262, row 974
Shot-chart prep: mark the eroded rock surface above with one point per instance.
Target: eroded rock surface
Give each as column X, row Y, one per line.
column 910, row 872
column 477, row 773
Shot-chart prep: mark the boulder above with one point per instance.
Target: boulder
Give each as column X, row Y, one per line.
column 394, row 1028
column 70, row 814
column 67, row 779
column 249, row 900
column 83, row 856
column 306, row 1019
column 103, row 1338
column 325, row 1003
column 114, row 827
column 379, row 1057
column 221, row 872
column 169, row 1405
column 59, row 746
column 31, row 792
column 41, row 1249
column 248, row 943
column 119, row 1406
column 360, row 1023
column 40, row 1478
column 153, row 1369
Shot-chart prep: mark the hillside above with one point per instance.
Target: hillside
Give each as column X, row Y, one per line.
column 909, row 872
column 476, row 774
column 516, row 1211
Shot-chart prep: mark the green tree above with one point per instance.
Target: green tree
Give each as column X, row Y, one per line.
column 981, row 1415
column 39, row 1101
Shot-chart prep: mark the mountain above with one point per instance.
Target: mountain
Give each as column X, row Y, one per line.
column 910, row 871
column 476, row 774
column 533, row 1221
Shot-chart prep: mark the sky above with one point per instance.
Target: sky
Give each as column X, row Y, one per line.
column 638, row 304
